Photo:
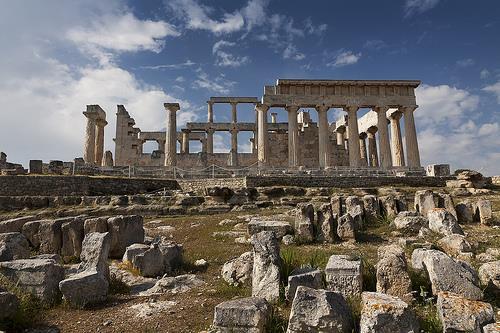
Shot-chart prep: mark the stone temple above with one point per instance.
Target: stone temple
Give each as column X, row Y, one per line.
column 300, row 143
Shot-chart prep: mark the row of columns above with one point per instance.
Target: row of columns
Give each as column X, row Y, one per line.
column 93, row 150
column 358, row 154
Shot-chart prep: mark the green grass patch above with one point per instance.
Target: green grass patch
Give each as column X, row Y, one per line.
column 277, row 322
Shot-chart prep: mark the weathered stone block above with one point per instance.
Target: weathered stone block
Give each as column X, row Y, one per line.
column 13, row 246
column 97, row 224
column 489, row 274
column 372, row 208
column 125, row 230
column 386, row 314
column 392, row 273
column 410, row 222
column 326, row 224
column 307, row 277
column 15, row 225
column 39, row 277
column 319, row 311
column 280, row 228
column 239, row 270
column 438, row 170
column 72, row 237
column 266, row 266
column 9, row 305
column 346, row 229
column 425, row 201
column 465, row 212
column 344, row 274
column 459, row 314
column 483, row 212
column 87, row 287
column 95, row 251
column 242, row 315
column 443, row 222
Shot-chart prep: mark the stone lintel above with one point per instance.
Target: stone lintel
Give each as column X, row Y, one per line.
column 231, row 99
column 172, row 106
column 411, row 83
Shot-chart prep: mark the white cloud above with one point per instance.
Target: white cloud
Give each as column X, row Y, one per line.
column 344, row 58
column 187, row 63
column 484, row 74
column 495, row 89
column 180, row 79
column 444, row 104
column 218, row 84
column 448, row 133
column 196, row 17
column 375, row 44
column 465, row 62
column 254, row 13
column 419, row 6
column 311, row 29
column 226, row 59
column 291, row 52
column 123, row 33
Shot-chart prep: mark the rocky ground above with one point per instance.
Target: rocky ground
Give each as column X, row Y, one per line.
column 423, row 267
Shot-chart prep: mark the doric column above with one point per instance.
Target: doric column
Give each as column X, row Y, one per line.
column 99, row 140
column 171, row 137
column 398, row 157
column 324, row 157
column 210, row 140
column 412, row 153
column 90, row 138
column 185, row 141
column 383, row 137
column 234, row 113
column 274, row 117
column 352, row 125
column 234, row 148
column 340, row 136
column 372, row 147
column 362, row 149
column 210, row 115
column 293, row 136
column 203, row 145
column 262, row 135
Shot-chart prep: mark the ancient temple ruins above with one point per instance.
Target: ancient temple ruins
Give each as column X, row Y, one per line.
column 374, row 140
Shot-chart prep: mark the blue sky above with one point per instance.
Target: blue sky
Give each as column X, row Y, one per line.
column 61, row 55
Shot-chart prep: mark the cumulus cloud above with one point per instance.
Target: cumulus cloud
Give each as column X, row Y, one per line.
column 123, row 33
column 484, row 74
column 345, row 58
column 495, row 89
column 291, row 52
column 448, row 132
column 413, row 7
column 226, row 59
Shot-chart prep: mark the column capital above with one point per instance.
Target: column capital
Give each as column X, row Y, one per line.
column 292, row 108
column 408, row 108
column 210, row 103
column 210, row 130
column 363, row 135
column 101, row 122
column 372, row 130
column 186, row 130
column 351, row 108
column 234, row 130
column 262, row 107
column 380, row 108
column 90, row 115
column 173, row 107
column 340, row 129
column 233, row 103
column 322, row 108
column 396, row 115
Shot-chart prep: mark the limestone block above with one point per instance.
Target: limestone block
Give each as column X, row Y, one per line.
column 372, row 208
column 336, row 203
column 242, row 315
column 308, row 277
column 483, row 212
column 72, row 237
column 304, row 222
column 319, row 311
column 443, row 222
column 346, row 229
column 132, row 251
column 39, row 277
column 388, row 206
column 392, row 273
column 97, row 224
column 465, row 212
column 455, row 244
column 174, row 285
column 447, row 274
column 9, row 305
column 459, row 314
column 95, row 251
column 36, row 167
column 13, row 246
column 489, row 275
column 239, row 270
column 266, row 266
column 125, row 230
column 444, row 200
column 492, row 328
column 87, row 287
column 326, row 224
column 344, row 274
column 386, row 314
column 438, row 170
column 354, row 207
column 15, row 225
column 45, row 235
column 425, row 201
column 280, row 228
column 410, row 222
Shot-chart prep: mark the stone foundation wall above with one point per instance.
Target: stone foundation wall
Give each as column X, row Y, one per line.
column 345, row 182
column 197, row 185
column 80, row 185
